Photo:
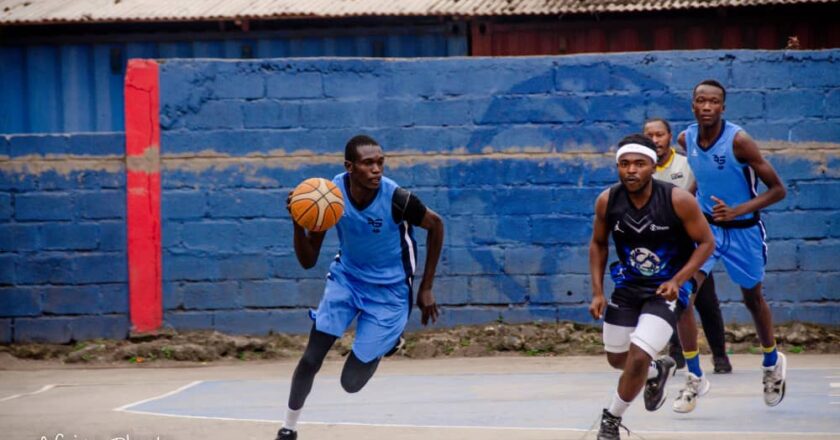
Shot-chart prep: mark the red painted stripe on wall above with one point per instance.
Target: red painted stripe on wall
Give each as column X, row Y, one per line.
column 142, row 133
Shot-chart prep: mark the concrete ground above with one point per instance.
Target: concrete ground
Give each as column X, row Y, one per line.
column 446, row 399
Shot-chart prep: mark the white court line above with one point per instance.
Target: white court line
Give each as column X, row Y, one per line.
column 499, row 428
column 43, row 389
column 162, row 396
column 125, row 408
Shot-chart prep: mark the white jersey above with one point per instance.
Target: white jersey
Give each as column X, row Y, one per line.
column 675, row 171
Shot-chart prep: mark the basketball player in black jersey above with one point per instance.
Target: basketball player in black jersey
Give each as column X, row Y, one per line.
column 661, row 239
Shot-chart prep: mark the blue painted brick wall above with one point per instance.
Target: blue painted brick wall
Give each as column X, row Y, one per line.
column 510, row 151
column 62, row 238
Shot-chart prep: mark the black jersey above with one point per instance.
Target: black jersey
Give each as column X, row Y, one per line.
column 651, row 242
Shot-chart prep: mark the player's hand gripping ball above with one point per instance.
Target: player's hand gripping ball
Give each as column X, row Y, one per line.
column 316, row 204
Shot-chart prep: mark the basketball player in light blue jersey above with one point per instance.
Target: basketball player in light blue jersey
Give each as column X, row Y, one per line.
column 727, row 164
column 372, row 277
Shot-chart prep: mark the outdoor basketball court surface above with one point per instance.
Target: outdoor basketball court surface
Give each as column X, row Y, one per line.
column 485, row 398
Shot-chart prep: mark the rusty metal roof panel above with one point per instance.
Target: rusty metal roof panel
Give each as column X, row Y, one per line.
column 81, row 11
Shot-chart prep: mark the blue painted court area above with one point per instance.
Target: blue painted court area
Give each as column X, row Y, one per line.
column 562, row 401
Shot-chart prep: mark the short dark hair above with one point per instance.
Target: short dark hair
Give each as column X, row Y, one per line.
column 664, row 122
column 710, row 82
column 351, row 150
column 637, row 138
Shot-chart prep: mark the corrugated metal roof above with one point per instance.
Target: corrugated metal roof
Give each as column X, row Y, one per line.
column 88, row 11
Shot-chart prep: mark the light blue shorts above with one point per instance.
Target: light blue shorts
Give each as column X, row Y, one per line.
column 743, row 251
column 382, row 310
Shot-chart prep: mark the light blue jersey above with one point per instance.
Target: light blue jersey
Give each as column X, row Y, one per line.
column 740, row 244
column 370, row 279
column 374, row 248
column 718, row 172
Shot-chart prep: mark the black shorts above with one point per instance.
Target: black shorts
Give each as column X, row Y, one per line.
column 626, row 305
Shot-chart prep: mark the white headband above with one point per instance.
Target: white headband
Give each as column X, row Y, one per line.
column 635, row 148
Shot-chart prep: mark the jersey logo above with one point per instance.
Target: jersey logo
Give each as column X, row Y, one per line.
column 637, row 225
column 375, row 224
column 617, row 227
column 645, row 261
column 672, row 305
column 654, row 228
column 719, row 160
column 676, row 176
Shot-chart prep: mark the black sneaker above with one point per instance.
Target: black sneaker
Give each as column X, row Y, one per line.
column 655, row 392
column 286, row 434
column 399, row 345
column 722, row 365
column 609, row 426
column 677, row 355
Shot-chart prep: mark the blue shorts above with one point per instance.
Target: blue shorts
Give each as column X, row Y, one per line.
column 743, row 251
column 382, row 310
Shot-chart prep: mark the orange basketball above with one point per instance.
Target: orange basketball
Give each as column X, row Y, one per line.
column 317, row 204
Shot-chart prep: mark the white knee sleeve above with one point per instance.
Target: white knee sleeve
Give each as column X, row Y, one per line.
column 652, row 333
column 616, row 338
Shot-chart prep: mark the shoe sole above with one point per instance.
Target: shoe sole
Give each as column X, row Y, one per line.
column 661, row 402
column 664, row 393
column 784, row 383
column 686, row 411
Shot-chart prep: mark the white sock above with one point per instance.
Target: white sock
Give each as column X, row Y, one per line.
column 618, row 406
column 652, row 370
column 292, row 418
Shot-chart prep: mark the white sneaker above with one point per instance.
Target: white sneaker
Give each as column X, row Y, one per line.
column 774, row 381
column 694, row 388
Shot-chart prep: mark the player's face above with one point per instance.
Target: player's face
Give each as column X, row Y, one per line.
column 657, row 131
column 366, row 170
column 707, row 105
column 635, row 171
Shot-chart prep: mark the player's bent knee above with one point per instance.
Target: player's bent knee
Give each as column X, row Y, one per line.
column 352, row 384
column 652, row 334
column 637, row 361
column 356, row 373
column 617, row 360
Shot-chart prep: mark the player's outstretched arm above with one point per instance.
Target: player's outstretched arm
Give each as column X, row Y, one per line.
column 746, row 150
column 695, row 224
column 433, row 224
column 598, row 252
column 307, row 245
